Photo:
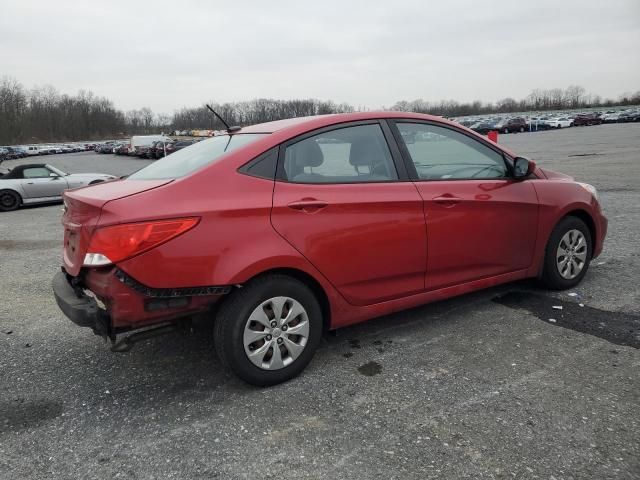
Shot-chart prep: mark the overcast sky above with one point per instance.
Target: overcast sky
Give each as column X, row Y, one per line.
column 166, row 55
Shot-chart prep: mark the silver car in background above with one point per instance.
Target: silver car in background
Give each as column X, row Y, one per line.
column 41, row 183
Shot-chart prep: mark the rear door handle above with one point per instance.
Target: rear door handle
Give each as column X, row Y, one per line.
column 308, row 205
column 447, row 200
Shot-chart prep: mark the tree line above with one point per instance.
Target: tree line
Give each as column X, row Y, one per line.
column 43, row 114
column 573, row 97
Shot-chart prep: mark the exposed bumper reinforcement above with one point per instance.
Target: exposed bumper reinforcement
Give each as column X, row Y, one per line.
column 80, row 308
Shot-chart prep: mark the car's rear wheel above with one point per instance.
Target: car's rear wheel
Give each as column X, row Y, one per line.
column 267, row 331
column 9, row 200
column 567, row 255
column 521, row 129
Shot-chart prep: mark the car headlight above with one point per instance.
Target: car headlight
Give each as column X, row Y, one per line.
column 589, row 188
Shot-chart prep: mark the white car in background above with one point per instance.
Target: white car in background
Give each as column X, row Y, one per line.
column 560, row 122
column 41, row 183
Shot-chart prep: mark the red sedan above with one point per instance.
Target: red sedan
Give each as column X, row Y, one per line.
column 282, row 230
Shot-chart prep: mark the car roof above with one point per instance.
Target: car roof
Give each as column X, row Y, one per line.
column 319, row 121
column 285, row 130
column 16, row 172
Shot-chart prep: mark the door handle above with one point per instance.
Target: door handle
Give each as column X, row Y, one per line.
column 308, row 205
column 447, row 200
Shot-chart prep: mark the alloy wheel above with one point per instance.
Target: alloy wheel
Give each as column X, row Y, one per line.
column 571, row 255
column 276, row 333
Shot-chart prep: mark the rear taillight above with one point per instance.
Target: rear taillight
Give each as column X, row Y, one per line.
column 119, row 242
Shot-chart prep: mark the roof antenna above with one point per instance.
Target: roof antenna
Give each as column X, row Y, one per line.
column 229, row 129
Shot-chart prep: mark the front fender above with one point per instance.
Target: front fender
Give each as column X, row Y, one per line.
column 557, row 199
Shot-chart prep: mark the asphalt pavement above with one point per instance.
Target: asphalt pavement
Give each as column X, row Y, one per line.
column 480, row 386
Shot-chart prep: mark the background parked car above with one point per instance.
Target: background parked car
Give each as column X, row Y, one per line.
column 560, row 122
column 140, row 143
column 586, row 119
column 629, row 116
column 106, row 147
column 510, row 125
column 484, row 127
column 156, row 150
column 11, row 153
column 175, row 146
column 122, row 149
column 40, row 183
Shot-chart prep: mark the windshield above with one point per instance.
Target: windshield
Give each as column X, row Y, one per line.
column 189, row 159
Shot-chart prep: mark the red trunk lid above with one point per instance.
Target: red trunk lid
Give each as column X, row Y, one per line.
column 82, row 214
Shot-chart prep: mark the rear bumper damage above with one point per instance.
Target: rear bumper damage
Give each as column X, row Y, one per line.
column 79, row 307
column 122, row 304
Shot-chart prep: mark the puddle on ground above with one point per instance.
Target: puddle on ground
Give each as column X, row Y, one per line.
column 615, row 327
column 370, row 369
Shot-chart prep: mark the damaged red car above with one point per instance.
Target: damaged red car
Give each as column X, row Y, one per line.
column 283, row 230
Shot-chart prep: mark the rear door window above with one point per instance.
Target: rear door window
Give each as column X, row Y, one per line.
column 345, row 155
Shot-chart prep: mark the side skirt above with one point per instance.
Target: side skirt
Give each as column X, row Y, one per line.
column 360, row 314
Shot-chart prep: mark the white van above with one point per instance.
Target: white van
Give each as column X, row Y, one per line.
column 31, row 149
column 145, row 141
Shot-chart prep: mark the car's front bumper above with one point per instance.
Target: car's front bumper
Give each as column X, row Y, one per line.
column 601, row 230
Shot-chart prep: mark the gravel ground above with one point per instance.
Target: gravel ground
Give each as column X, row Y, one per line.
column 481, row 386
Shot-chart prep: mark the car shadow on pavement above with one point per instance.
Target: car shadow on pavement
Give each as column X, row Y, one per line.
column 183, row 364
column 181, row 368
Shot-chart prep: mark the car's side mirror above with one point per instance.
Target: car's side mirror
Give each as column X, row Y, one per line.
column 523, row 167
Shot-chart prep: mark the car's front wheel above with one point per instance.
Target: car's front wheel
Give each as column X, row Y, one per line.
column 267, row 331
column 9, row 200
column 567, row 255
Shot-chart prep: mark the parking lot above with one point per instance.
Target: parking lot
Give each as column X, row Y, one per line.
column 480, row 386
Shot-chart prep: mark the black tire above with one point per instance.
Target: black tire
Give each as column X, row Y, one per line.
column 234, row 313
column 506, row 130
column 521, row 129
column 9, row 200
column 551, row 277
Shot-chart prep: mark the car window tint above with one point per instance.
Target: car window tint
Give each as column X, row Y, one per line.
column 189, row 159
column 441, row 153
column 345, row 155
column 35, row 172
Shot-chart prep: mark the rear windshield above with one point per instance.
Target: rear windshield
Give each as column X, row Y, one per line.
column 189, row 159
